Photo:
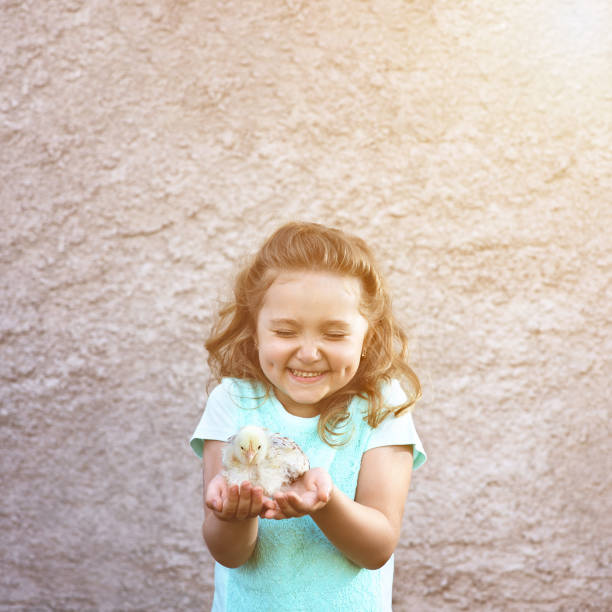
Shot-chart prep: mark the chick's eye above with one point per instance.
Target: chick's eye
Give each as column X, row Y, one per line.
column 241, row 447
column 259, row 447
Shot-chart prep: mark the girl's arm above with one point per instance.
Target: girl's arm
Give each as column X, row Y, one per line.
column 366, row 529
column 230, row 513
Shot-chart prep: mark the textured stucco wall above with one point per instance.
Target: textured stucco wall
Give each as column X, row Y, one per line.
column 146, row 146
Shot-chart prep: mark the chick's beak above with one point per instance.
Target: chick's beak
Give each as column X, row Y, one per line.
column 250, row 454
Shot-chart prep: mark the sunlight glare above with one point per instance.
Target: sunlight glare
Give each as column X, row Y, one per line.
column 583, row 26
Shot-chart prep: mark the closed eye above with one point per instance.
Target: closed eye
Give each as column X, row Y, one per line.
column 336, row 335
column 284, row 333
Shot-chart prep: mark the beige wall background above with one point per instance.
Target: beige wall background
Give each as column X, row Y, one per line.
column 147, row 146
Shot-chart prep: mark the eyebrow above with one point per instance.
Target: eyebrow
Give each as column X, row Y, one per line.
column 337, row 323
column 332, row 323
column 283, row 322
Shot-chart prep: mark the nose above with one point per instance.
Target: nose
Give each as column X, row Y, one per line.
column 308, row 351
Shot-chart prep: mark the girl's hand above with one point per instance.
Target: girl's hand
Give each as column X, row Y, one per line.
column 236, row 503
column 306, row 495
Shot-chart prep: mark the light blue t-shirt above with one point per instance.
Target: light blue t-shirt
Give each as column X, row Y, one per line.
column 294, row 566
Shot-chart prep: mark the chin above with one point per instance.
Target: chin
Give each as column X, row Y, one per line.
column 308, row 401
column 303, row 397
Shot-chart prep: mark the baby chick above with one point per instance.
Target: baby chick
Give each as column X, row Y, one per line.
column 266, row 460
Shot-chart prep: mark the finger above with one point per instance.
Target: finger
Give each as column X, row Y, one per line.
column 293, row 500
column 323, row 493
column 230, row 504
column 218, row 501
column 268, row 502
column 257, row 498
column 281, row 502
column 320, row 479
column 214, row 493
column 275, row 514
column 302, row 505
column 214, row 503
column 212, row 498
column 321, row 484
column 308, row 503
column 269, row 508
column 243, row 508
column 272, row 513
column 289, row 504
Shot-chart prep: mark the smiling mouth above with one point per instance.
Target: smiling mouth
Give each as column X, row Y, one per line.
column 305, row 374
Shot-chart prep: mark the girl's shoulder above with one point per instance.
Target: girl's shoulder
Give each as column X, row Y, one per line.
column 239, row 389
column 392, row 393
column 397, row 429
column 221, row 417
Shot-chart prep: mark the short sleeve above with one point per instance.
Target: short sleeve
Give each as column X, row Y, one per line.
column 219, row 419
column 398, row 430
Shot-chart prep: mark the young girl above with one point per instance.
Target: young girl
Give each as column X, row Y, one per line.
column 309, row 348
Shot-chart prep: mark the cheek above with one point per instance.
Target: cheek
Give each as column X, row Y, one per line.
column 270, row 352
column 349, row 357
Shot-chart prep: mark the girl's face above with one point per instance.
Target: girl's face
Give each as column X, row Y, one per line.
column 310, row 336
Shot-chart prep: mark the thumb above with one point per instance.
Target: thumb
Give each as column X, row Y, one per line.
column 324, row 486
column 215, row 492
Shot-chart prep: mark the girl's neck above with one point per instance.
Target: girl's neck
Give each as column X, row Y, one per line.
column 304, row 411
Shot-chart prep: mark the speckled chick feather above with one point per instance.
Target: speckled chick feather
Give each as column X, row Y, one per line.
column 266, row 460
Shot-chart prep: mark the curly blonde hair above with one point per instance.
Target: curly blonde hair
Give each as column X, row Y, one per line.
column 298, row 246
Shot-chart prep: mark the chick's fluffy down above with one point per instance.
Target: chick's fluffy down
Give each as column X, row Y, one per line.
column 266, row 460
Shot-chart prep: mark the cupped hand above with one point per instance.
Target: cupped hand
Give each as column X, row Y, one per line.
column 236, row 503
column 309, row 493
